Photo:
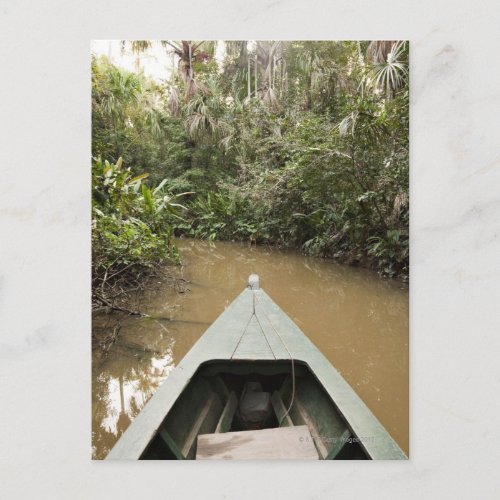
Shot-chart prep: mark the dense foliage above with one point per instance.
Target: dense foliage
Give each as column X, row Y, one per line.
column 131, row 229
column 300, row 144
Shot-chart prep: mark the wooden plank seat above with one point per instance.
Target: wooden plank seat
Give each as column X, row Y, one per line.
column 283, row 443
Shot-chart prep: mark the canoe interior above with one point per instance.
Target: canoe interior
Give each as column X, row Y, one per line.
column 209, row 404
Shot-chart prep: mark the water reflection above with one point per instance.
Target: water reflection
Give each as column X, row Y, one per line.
column 126, row 377
column 358, row 321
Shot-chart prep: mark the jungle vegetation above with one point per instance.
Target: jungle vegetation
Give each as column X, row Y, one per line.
column 297, row 144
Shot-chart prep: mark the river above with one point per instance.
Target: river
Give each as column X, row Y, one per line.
column 358, row 320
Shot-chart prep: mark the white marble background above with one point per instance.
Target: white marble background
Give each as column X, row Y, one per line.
column 45, row 248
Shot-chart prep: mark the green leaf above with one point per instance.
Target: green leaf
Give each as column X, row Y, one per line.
column 149, row 201
column 138, row 178
column 159, row 187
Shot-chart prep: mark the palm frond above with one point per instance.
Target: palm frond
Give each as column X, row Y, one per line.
column 392, row 73
column 139, row 46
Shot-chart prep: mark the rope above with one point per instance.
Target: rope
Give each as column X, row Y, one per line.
column 265, row 336
column 284, row 345
column 245, row 329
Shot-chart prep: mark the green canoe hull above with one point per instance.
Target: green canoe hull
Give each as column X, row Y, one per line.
column 254, row 340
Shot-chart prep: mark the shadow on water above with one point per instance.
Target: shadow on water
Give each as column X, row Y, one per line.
column 358, row 320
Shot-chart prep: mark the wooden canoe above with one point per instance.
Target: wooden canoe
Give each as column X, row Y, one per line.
column 198, row 412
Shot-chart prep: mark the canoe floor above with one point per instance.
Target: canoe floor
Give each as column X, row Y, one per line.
column 294, row 443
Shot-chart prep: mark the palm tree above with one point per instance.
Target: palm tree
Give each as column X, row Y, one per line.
column 187, row 52
column 378, row 50
column 389, row 64
column 267, row 55
column 205, row 112
column 265, row 61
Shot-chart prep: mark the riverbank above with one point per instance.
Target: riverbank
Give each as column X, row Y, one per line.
column 351, row 258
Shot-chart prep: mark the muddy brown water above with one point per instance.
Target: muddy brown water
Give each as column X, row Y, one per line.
column 357, row 319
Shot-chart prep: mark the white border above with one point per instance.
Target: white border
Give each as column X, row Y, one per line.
column 45, row 247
